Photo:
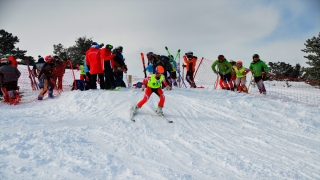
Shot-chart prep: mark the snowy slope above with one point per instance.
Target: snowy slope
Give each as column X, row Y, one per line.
column 215, row 135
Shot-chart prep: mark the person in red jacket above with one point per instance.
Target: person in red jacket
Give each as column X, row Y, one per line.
column 107, row 57
column 95, row 66
column 190, row 64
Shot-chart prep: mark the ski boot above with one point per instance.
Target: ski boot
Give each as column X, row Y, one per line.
column 134, row 110
column 50, row 95
column 159, row 111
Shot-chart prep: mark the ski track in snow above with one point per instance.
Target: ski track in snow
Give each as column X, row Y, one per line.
column 215, row 135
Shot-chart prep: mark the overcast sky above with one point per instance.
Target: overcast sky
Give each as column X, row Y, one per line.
column 276, row 30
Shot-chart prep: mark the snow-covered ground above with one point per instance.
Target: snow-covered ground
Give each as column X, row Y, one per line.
column 216, row 134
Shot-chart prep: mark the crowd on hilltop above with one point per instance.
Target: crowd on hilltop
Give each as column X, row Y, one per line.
column 105, row 66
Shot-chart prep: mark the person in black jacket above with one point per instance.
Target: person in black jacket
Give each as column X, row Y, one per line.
column 120, row 66
column 9, row 76
column 46, row 77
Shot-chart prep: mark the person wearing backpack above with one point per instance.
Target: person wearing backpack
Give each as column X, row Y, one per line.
column 37, row 68
column 224, row 71
column 46, row 76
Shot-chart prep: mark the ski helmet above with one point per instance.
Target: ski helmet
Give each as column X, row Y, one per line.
column 109, row 46
column 255, row 56
column 94, row 43
column 49, row 59
column 189, row 53
column 239, row 62
column 119, row 47
column 159, row 69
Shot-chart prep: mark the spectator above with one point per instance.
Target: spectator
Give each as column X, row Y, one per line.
column 107, row 58
column 9, row 76
column 95, row 66
column 190, row 64
column 120, row 66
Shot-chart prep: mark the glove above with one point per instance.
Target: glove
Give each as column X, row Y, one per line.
column 88, row 74
column 244, row 73
column 143, row 87
column 168, row 88
column 184, row 65
column 88, row 68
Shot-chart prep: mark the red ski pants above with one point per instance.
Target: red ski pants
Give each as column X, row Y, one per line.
column 148, row 93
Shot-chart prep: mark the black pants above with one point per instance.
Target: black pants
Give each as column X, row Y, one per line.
column 108, row 73
column 189, row 78
column 93, row 81
column 119, row 79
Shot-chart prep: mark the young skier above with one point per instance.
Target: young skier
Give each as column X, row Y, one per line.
column 173, row 73
column 46, row 77
column 224, row 71
column 190, row 64
column 259, row 69
column 240, row 72
column 153, row 85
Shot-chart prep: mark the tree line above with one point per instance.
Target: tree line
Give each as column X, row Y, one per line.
column 82, row 44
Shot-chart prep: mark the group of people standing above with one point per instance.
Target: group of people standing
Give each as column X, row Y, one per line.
column 105, row 64
column 233, row 74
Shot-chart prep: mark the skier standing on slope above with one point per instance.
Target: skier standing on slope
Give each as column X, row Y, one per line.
column 153, row 85
column 190, row 65
column 259, row 70
column 224, row 71
column 240, row 72
column 46, row 77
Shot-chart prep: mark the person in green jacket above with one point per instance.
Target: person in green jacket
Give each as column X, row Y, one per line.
column 224, row 71
column 259, row 69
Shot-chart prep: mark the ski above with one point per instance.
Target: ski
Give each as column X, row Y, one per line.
column 144, row 65
column 162, row 116
column 165, row 119
column 132, row 115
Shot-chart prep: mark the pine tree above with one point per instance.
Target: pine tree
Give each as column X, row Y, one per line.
column 7, row 45
column 313, row 47
column 285, row 69
column 75, row 52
